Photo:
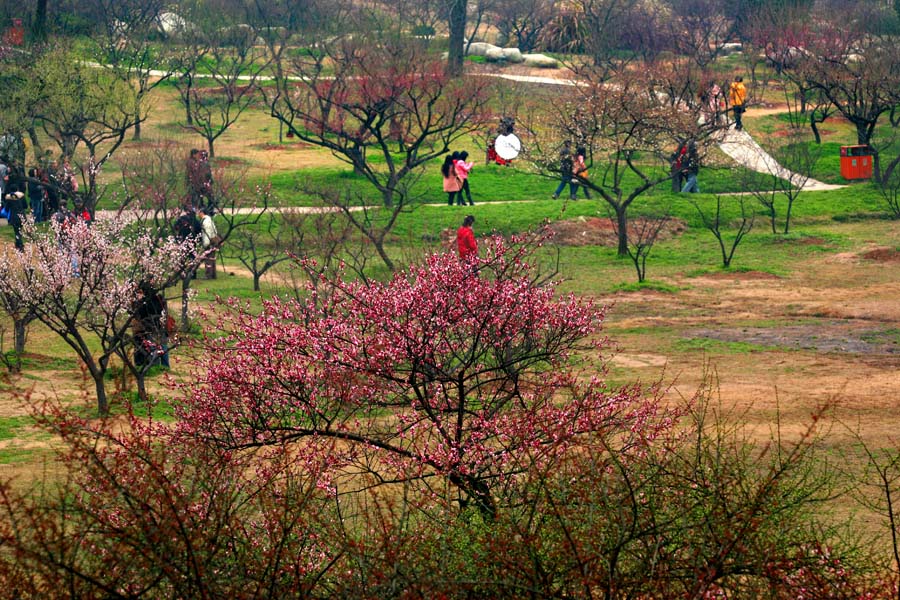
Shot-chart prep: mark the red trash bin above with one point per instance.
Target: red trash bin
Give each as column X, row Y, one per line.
column 856, row 162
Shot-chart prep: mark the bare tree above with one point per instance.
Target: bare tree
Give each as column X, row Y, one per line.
column 627, row 130
column 700, row 29
column 124, row 45
column 229, row 85
column 263, row 246
column 82, row 105
column 356, row 97
column 786, row 176
column 522, row 22
column 858, row 73
column 716, row 221
column 644, row 234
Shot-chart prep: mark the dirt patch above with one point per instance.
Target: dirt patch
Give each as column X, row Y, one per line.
column 740, row 275
column 289, row 146
column 882, row 255
column 787, row 132
column 848, row 337
column 594, row 231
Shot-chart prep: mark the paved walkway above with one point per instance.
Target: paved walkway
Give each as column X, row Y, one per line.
column 744, row 150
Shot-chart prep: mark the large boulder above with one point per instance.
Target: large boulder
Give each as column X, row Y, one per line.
column 495, row 55
column 173, row 25
column 540, row 61
column 480, row 48
column 513, row 55
column 732, row 48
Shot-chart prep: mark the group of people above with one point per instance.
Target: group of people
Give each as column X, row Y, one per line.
column 45, row 191
column 685, row 161
column 152, row 324
column 713, row 103
column 572, row 171
column 685, row 168
column 455, row 172
column 199, row 225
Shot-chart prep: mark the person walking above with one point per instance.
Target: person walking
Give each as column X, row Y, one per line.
column 452, row 184
column 565, row 170
column 462, row 171
column 690, row 168
column 209, row 238
column 579, row 172
column 737, row 94
column 465, row 240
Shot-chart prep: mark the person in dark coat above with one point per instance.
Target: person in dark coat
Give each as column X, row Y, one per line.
column 150, row 336
column 36, row 195
column 15, row 204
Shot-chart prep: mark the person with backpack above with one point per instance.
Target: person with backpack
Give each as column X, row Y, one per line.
column 737, row 93
column 579, row 172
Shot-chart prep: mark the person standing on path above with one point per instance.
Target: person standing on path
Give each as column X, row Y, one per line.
column 737, row 93
column 462, row 171
column 565, row 170
column 452, row 184
column 465, row 240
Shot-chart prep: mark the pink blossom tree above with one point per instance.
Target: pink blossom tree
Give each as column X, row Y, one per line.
column 81, row 282
column 458, row 371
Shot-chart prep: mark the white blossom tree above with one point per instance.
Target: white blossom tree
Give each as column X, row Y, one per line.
column 81, row 281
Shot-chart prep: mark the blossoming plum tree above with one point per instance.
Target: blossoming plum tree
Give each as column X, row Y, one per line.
column 440, row 373
column 81, row 282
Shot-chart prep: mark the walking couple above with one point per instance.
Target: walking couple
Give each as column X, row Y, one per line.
column 572, row 171
column 455, row 171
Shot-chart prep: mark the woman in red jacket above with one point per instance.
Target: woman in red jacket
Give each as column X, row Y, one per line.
column 465, row 239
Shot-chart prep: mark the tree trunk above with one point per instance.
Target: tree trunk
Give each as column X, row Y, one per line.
column 37, row 149
column 188, row 117
column 862, row 132
column 21, row 334
column 457, row 26
column 379, row 247
column 102, row 400
column 185, row 294
column 39, row 27
column 622, row 226
column 210, row 146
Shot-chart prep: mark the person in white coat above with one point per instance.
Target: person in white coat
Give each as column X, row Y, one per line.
column 209, row 238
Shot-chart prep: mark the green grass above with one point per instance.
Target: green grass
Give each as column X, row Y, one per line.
column 718, row 346
column 10, row 427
